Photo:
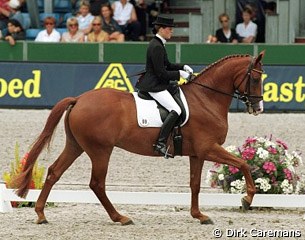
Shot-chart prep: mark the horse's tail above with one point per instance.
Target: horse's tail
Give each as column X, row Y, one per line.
column 22, row 181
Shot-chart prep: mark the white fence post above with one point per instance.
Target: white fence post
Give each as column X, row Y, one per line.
column 5, row 206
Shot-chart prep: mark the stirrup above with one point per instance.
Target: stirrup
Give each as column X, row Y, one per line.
column 163, row 151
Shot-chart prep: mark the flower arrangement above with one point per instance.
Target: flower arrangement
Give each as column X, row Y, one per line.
column 16, row 168
column 272, row 167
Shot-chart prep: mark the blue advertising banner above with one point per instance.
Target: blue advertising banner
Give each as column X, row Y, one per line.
column 41, row 85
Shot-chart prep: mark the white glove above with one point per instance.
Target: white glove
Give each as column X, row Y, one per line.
column 188, row 69
column 184, row 74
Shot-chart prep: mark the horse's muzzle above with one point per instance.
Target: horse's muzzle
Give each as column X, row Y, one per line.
column 256, row 108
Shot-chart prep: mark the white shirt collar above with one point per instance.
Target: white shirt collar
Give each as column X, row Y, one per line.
column 162, row 39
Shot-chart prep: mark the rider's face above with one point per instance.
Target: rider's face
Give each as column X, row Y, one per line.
column 166, row 32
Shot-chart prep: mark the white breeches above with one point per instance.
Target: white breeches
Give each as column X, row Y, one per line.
column 166, row 100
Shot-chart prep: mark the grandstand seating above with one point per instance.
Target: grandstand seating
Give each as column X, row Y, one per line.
column 32, row 33
column 62, row 6
column 26, row 18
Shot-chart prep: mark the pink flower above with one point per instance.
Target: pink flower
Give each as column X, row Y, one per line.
column 233, row 170
column 249, row 141
column 288, row 173
column 24, row 159
column 282, row 144
column 217, row 165
column 269, row 167
column 248, row 153
column 272, row 150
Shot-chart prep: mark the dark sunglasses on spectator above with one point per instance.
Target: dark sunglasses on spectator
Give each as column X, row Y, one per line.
column 49, row 23
column 222, row 21
column 96, row 24
column 73, row 25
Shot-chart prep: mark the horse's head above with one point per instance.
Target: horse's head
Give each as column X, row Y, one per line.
column 250, row 88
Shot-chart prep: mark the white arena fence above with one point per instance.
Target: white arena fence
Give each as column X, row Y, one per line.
column 153, row 198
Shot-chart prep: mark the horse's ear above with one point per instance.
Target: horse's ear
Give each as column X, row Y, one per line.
column 260, row 57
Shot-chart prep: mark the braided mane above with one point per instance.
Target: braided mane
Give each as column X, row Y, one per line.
column 212, row 65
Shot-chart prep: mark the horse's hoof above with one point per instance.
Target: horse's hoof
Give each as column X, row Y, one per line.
column 42, row 221
column 206, row 222
column 129, row 222
column 245, row 204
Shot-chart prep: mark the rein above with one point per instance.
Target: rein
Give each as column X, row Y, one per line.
column 244, row 97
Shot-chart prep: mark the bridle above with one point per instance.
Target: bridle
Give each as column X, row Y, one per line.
column 246, row 96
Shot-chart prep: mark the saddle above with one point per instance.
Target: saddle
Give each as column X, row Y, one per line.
column 152, row 114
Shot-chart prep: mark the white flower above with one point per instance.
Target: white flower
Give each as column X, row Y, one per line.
column 291, row 168
column 270, row 144
column 263, row 183
column 221, row 177
column 297, row 156
column 287, row 187
column 238, row 186
column 261, row 140
column 262, row 153
column 231, row 148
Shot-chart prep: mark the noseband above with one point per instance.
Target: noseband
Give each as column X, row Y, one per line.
column 246, row 95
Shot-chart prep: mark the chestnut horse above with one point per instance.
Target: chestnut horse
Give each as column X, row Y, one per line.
column 98, row 120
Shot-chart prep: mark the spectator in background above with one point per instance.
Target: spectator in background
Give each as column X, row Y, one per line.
column 73, row 34
column 225, row 34
column 85, row 18
column 15, row 6
column 0, row 34
column 110, row 26
column 15, row 32
column 270, row 8
column 141, row 8
column 97, row 34
column 95, row 6
column 49, row 34
column 4, row 13
column 125, row 14
column 247, row 29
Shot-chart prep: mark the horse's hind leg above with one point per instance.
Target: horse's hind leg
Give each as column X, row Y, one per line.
column 195, row 182
column 71, row 151
column 100, row 162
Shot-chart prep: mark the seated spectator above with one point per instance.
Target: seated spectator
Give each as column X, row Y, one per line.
column 5, row 11
column 226, row 34
column 85, row 18
column 49, row 34
column 73, row 34
column 15, row 32
column 110, row 26
column 15, row 6
column 0, row 34
column 95, row 6
column 247, row 29
column 124, row 13
column 97, row 34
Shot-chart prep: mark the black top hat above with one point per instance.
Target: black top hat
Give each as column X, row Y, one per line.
column 163, row 21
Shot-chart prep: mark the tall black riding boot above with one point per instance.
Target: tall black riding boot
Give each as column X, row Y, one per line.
column 166, row 129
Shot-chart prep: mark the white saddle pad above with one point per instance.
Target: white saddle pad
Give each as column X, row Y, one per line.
column 148, row 114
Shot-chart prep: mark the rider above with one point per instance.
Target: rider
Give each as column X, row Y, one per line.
column 159, row 73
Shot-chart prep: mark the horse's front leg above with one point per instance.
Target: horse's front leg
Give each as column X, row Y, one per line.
column 196, row 165
column 220, row 155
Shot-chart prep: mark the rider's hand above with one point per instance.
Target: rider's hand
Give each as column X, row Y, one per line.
column 188, row 69
column 184, row 74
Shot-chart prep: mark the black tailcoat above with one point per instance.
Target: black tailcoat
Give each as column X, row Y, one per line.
column 159, row 71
